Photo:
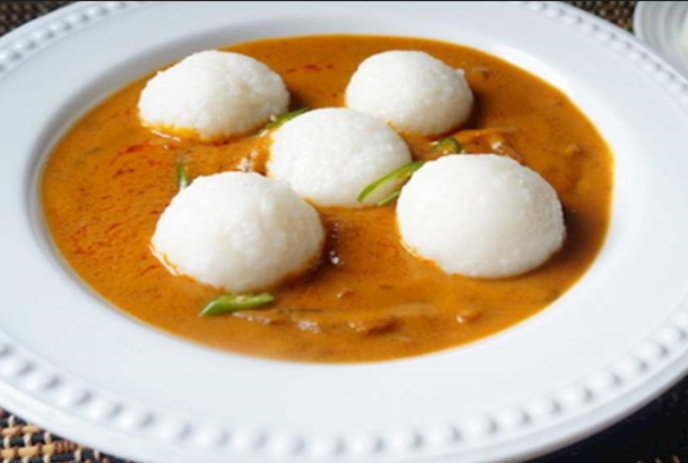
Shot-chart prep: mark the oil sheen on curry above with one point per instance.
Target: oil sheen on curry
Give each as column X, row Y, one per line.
column 371, row 294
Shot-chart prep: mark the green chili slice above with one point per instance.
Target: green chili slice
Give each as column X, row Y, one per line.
column 399, row 176
column 182, row 175
column 235, row 302
column 281, row 120
column 448, row 146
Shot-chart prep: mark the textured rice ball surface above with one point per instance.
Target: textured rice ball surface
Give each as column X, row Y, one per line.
column 213, row 95
column 481, row 216
column 416, row 93
column 238, row 231
column 330, row 155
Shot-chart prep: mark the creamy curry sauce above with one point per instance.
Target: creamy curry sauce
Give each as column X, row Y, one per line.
column 107, row 182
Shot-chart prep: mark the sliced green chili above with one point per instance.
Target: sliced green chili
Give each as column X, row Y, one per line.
column 448, row 145
column 399, row 176
column 182, row 175
column 281, row 120
column 235, row 302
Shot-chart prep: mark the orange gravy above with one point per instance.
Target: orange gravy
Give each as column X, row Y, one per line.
column 107, row 182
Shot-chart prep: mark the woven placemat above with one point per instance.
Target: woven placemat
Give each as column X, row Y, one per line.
column 656, row 434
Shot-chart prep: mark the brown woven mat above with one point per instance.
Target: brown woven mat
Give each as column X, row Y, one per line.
column 656, row 434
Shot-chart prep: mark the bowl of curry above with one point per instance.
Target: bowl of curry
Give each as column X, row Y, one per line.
column 502, row 275
column 368, row 300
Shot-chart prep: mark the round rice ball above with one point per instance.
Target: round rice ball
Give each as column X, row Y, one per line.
column 213, row 95
column 480, row 216
column 416, row 93
column 238, row 231
column 330, row 155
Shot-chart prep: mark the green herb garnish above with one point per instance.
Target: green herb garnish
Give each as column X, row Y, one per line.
column 447, row 146
column 280, row 120
column 399, row 176
column 388, row 199
column 229, row 303
column 182, row 175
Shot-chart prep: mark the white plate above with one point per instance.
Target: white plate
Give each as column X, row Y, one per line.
column 664, row 26
column 73, row 364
